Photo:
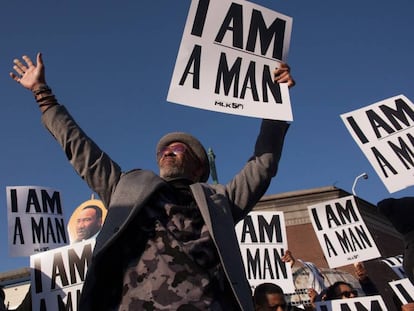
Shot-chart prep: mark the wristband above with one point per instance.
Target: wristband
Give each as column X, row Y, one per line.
column 42, row 89
column 43, row 96
column 48, row 104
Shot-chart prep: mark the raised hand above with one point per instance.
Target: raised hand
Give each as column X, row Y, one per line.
column 288, row 258
column 29, row 75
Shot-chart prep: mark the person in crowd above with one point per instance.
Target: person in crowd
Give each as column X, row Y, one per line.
column 400, row 213
column 168, row 241
column 88, row 223
column 367, row 286
column 270, row 297
column 340, row 290
column 330, row 293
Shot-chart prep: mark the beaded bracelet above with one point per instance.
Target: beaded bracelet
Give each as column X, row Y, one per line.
column 44, row 97
column 48, row 104
column 42, row 89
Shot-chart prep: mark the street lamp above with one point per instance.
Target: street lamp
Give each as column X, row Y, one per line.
column 363, row 175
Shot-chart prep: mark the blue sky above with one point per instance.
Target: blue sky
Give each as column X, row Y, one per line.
column 110, row 63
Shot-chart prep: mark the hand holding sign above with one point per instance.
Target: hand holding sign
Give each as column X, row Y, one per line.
column 282, row 75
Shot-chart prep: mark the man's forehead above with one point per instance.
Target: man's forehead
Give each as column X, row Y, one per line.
column 275, row 298
column 344, row 287
column 88, row 211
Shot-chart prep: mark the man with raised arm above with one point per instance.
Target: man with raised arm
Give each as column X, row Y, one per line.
column 168, row 241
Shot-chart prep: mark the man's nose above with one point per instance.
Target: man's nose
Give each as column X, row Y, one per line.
column 168, row 153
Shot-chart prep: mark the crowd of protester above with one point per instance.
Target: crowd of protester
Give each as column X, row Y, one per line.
column 270, row 296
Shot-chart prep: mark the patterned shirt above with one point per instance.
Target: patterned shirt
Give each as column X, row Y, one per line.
column 179, row 268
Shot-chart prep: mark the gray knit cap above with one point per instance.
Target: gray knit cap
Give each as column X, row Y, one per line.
column 195, row 146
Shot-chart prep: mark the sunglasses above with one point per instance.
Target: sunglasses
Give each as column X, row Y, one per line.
column 348, row 294
column 175, row 149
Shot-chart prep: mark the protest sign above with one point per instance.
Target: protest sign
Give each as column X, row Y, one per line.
column 263, row 242
column 342, row 233
column 353, row 304
column 404, row 290
column 35, row 220
column 304, row 278
column 226, row 59
column 57, row 276
column 384, row 131
column 86, row 220
column 395, row 263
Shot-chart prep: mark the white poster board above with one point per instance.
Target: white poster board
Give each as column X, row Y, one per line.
column 353, row 304
column 35, row 220
column 384, row 131
column 396, row 264
column 226, row 59
column 342, row 233
column 263, row 241
column 57, row 276
column 404, row 290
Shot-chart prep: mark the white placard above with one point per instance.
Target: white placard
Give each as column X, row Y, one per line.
column 353, row 304
column 404, row 290
column 226, row 59
column 35, row 220
column 384, row 132
column 396, row 264
column 342, row 233
column 263, row 241
column 57, row 276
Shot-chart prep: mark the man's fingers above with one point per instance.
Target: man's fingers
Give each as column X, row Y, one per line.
column 19, row 67
column 281, row 73
column 28, row 60
column 14, row 77
column 39, row 59
column 284, row 77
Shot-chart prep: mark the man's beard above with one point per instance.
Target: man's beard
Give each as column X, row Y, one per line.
column 171, row 172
